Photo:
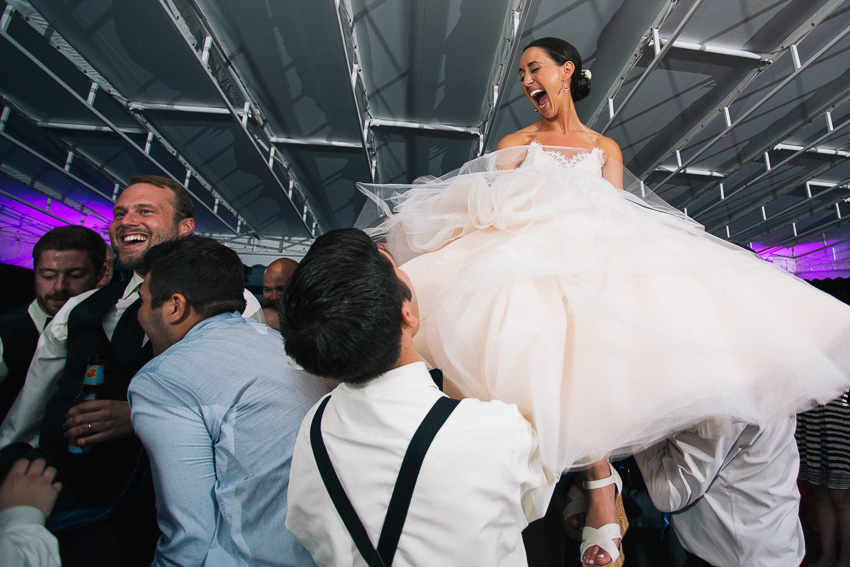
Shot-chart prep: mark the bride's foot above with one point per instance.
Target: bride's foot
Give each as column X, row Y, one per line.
column 605, row 520
column 574, row 512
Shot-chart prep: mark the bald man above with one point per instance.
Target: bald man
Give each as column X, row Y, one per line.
column 276, row 276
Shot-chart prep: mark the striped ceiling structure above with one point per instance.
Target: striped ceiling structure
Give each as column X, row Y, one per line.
column 269, row 111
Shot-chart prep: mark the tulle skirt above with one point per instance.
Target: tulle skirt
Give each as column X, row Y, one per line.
column 609, row 319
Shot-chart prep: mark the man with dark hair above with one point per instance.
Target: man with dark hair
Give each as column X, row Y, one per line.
column 218, row 410
column 67, row 261
column 465, row 477
column 106, row 480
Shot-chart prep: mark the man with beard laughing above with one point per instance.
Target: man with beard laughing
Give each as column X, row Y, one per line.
column 111, row 480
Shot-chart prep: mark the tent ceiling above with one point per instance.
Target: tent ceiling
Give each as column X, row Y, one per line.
column 271, row 111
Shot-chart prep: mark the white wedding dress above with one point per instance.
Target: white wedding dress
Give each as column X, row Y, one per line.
column 611, row 320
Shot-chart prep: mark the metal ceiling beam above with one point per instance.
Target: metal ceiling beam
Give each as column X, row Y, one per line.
column 23, row 226
column 821, row 249
column 271, row 247
column 180, row 108
column 6, row 210
column 773, row 168
column 267, row 152
column 805, row 237
column 763, row 202
column 63, row 169
column 663, row 14
column 660, row 52
column 380, row 122
column 53, row 125
column 825, row 108
column 44, row 211
column 815, row 150
column 348, row 39
column 317, row 143
column 809, row 204
column 505, row 52
column 5, row 20
column 691, row 171
column 723, row 109
column 714, row 49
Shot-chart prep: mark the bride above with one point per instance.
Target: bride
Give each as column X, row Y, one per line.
column 546, row 278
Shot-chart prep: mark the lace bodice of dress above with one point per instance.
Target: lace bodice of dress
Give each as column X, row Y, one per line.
column 585, row 160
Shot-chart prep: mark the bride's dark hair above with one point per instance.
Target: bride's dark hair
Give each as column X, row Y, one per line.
column 561, row 52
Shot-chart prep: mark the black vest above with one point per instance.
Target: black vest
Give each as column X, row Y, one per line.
column 20, row 337
column 100, row 475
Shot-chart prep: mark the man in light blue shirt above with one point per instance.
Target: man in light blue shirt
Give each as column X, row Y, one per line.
column 218, row 411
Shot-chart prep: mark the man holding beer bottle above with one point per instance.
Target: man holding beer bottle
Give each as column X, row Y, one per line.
column 106, row 514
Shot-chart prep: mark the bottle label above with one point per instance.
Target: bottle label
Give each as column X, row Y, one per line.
column 94, row 376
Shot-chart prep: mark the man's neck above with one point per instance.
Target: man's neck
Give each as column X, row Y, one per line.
column 408, row 352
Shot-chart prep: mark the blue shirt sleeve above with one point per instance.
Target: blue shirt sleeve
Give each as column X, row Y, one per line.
column 172, row 427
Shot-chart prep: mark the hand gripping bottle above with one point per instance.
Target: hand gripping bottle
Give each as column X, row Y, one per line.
column 92, row 390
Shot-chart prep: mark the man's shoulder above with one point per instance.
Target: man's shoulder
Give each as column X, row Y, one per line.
column 61, row 318
column 225, row 344
column 492, row 414
column 14, row 319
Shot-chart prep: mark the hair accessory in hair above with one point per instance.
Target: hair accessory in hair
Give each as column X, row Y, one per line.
column 586, row 74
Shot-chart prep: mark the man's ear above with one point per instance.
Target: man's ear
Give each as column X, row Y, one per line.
column 176, row 308
column 408, row 316
column 185, row 227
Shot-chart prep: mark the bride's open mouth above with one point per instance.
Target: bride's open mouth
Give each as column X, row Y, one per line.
column 539, row 96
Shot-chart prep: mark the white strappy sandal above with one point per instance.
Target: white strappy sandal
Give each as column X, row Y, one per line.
column 604, row 536
column 576, row 506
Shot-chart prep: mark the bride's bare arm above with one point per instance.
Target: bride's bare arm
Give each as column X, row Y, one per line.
column 510, row 141
column 613, row 168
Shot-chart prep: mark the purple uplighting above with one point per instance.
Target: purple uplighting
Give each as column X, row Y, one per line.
column 27, row 214
column 811, row 260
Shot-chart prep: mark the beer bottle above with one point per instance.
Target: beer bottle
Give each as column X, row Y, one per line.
column 92, row 390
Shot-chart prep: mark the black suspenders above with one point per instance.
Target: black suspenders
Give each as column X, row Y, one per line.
column 402, row 493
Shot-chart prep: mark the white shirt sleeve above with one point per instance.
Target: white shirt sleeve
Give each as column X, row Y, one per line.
column 24, row 541
column 679, row 470
column 23, row 421
column 539, row 484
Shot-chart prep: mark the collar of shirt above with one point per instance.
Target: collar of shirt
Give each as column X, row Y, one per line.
column 404, row 378
column 133, row 286
column 38, row 316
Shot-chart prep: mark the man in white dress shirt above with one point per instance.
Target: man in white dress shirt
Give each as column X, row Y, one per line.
column 732, row 491
column 67, row 261
column 349, row 313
